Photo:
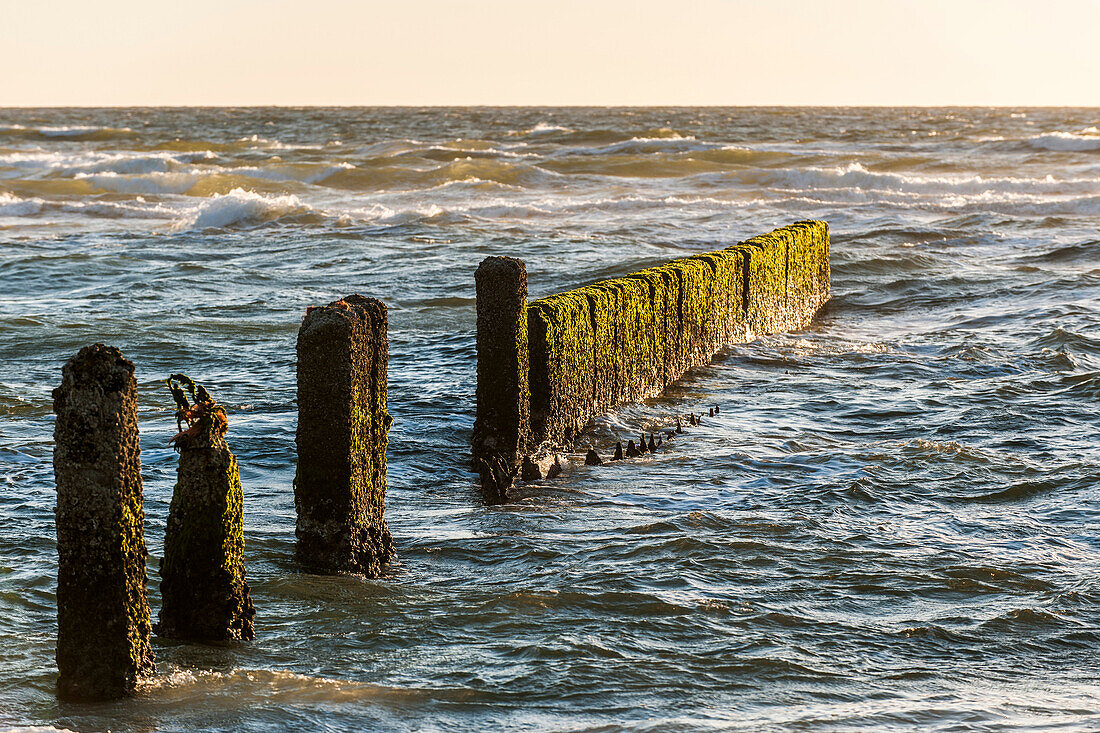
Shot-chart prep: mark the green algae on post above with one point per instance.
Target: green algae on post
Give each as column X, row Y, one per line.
column 343, row 428
column 102, row 606
column 502, row 426
column 205, row 595
column 561, row 366
column 629, row 338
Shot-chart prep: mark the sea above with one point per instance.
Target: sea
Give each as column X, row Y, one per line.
column 893, row 523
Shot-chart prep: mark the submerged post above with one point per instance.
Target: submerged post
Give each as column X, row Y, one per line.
column 340, row 485
column 502, row 428
column 102, row 606
column 205, row 595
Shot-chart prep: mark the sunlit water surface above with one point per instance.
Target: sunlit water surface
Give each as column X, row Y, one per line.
column 892, row 524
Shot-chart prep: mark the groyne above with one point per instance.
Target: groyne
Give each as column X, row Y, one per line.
column 103, row 640
column 626, row 339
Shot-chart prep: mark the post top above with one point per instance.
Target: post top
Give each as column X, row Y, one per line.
column 351, row 306
column 97, row 366
column 499, row 265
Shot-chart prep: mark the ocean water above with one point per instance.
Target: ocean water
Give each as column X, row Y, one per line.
column 893, row 524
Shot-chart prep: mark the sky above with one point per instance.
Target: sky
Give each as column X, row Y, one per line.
column 527, row 52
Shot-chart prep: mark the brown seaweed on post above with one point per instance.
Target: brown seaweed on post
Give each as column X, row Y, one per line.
column 205, row 594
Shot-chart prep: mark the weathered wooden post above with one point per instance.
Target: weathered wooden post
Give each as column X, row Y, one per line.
column 502, row 428
column 340, row 486
column 102, row 607
column 205, row 595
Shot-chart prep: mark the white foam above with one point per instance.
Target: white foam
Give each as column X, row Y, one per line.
column 256, row 141
column 148, row 183
column 64, row 130
column 1067, row 142
column 14, row 206
column 240, row 207
column 74, row 164
column 303, row 173
column 183, row 178
column 856, row 177
column 136, row 209
column 642, row 145
column 542, row 128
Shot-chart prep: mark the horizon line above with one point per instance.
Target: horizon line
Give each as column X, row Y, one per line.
column 549, row 106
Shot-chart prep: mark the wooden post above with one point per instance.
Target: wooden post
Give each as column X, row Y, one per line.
column 502, row 428
column 340, row 486
column 102, row 607
column 204, row 593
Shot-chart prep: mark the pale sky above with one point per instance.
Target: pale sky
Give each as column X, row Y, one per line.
column 594, row 52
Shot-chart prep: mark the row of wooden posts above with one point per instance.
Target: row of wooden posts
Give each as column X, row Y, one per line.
column 104, row 626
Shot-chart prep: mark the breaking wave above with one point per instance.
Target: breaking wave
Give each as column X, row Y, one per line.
column 43, row 163
column 241, row 208
column 14, row 206
column 856, row 176
column 1068, row 142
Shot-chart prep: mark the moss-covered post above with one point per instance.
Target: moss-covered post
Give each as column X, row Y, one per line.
column 343, row 427
column 205, row 596
column 102, row 608
column 502, row 428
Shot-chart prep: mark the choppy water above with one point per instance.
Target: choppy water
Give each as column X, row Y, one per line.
column 892, row 524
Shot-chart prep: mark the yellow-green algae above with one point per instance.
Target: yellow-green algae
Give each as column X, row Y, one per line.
column 559, row 330
column 629, row 338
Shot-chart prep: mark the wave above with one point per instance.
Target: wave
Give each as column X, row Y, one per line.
column 149, row 183
column 210, row 180
column 664, row 164
column 467, row 169
column 41, row 162
column 545, row 132
column 66, row 132
column 1082, row 252
column 244, row 687
column 242, row 208
column 1024, row 618
column 957, row 194
column 1064, row 339
column 1067, row 142
column 14, row 206
column 542, row 129
column 642, row 145
column 247, row 207
column 855, row 175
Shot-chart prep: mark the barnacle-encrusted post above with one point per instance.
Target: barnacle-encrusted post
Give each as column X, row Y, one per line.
column 102, row 607
column 343, row 427
column 205, row 595
column 502, row 428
